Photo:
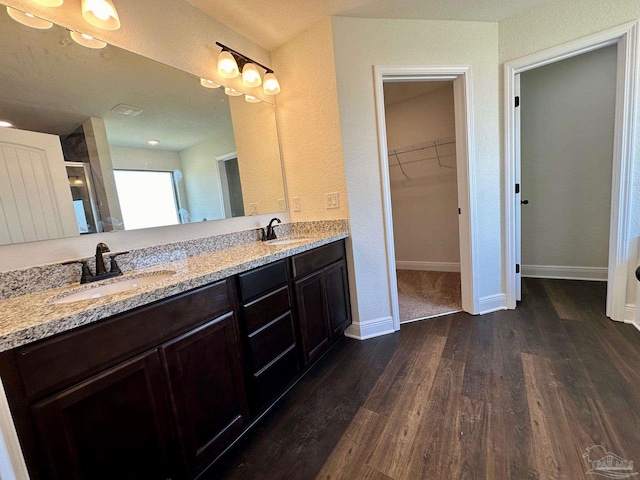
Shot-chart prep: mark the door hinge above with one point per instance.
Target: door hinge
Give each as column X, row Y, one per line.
column 517, row 188
column 517, row 268
column 517, row 101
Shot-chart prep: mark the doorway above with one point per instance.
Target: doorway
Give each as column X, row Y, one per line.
column 420, row 133
column 466, row 189
column 625, row 39
column 567, row 114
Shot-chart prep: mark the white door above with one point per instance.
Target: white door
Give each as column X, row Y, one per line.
column 517, row 189
column 35, row 198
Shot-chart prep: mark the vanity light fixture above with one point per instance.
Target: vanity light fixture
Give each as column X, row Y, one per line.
column 206, row 83
column 232, row 92
column 49, row 3
column 251, row 99
column 28, row 19
column 153, row 143
column 5, row 124
column 87, row 40
column 101, row 14
column 231, row 63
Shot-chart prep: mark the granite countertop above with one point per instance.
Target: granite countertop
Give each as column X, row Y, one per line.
column 31, row 317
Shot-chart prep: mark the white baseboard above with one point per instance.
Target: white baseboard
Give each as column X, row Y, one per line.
column 567, row 273
column 429, row 266
column 370, row 329
column 493, row 303
column 630, row 315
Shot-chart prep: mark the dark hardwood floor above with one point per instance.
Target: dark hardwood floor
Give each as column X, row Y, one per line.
column 515, row 394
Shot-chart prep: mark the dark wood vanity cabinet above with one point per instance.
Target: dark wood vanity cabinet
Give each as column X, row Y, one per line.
column 322, row 297
column 161, row 391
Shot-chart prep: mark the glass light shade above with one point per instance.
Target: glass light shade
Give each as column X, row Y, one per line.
column 87, row 40
column 5, row 124
column 232, row 92
column 271, row 85
column 101, row 14
column 28, row 19
column 251, row 76
column 252, row 99
column 49, row 3
column 227, row 66
column 206, row 83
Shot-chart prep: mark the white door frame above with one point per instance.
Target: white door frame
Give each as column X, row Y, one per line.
column 626, row 38
column 465, row 159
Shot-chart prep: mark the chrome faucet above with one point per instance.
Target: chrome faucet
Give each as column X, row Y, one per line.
column 270, row 233
column 101, row 270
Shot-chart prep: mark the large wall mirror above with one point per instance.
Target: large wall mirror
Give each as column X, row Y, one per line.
column 105, row 139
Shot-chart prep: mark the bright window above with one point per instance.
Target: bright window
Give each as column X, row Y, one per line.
column 147, row 198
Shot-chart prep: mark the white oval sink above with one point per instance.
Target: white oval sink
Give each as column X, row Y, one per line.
column 286, row 241
column 120, row 285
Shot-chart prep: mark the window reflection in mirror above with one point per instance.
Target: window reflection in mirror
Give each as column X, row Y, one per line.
column 104, row 106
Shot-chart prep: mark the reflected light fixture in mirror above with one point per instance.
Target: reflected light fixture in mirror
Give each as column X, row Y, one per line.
column 232, row 92
column 87, row 40
column 28, row 19
column 206, row 83
column 101, row 14
column 252, row 99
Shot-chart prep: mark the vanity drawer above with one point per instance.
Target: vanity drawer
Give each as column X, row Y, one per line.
column 273, row 379
column 270, row 341
column 313, row 260
column 63, row 360
column 263, row 310
column 262, row 280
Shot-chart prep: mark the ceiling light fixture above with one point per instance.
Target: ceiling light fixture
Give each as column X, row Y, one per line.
column 28, row 19
column 206, row 83
column 49, row 3
column 231, row 63
column 87, row 40
column 101, row 14
column 5, row 124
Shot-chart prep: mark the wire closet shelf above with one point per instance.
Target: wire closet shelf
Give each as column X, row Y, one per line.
column 439, row 150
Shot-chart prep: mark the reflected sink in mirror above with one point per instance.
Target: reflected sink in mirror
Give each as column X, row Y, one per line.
column 122, row 284
column 287, row 241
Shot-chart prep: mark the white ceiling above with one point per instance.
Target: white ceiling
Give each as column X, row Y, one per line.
column 274, row 22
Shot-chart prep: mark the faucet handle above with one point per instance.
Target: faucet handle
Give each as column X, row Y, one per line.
column 86, row 273
column 113, row 267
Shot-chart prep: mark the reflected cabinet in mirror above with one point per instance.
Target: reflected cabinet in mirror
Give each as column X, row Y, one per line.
column 104, row 139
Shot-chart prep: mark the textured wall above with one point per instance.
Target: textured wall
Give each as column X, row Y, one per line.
column 425, row 216
column 567, row 113
column 169, row 31
column 562, row 21
column 309, row 123
column 361, row 43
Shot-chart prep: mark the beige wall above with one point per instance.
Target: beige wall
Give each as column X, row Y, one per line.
column 254, row 127
column 562, row 21
column 309, row 123
column 425, row 216
column 169, row 31
column 361, row 43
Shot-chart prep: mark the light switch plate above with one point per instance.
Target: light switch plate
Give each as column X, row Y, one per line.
column 253, row 209
column 332, row 200
column 282, row 206
column 296, row 204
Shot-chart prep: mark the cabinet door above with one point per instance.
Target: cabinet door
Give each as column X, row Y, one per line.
column 313, row 316
column 338, row 297
column 206, row 388
column 113, row 425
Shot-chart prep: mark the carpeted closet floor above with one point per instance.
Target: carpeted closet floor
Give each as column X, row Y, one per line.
column 423, row 294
